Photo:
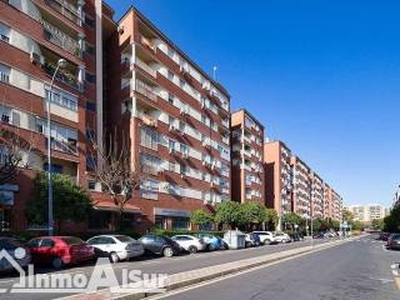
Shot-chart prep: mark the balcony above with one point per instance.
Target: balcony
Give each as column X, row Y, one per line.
column 225, row 122
column 146, row 90
column 225, row 139
column 245, row 153
column 69, row 147
column 245, row 167
column 62, row 75
column 145, row 67
column 147, row 119
column 59, row 38
column 147, row 43
column 67, row 9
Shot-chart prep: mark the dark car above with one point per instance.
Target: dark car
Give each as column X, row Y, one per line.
column 160, row 245
column 384, row 236
column 295, row 237
column 60, row 250
column 393, row 242
column 16, row 249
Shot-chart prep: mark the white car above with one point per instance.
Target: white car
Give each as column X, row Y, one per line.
column 190, row 243
column 116, row 247
column 282, row 237
column 266, row 237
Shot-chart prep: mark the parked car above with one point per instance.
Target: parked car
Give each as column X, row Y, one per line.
column 160, row 245
column 319, row 235
column 116, row 247
column 190, row 243
column 282, row 237
column 60, row 250
column 295, row 237
column 383, row 236
column 213, row 242
column 393, row 242
column 252, row 240
column 266, row 237
column 17, row 251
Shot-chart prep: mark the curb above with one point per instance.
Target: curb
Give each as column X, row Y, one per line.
column 184, row 279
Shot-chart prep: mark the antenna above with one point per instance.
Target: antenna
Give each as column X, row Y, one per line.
column 215, row 72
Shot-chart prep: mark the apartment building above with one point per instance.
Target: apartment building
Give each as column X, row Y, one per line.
column 302, row 187
column 337, row 204
column 247, row 136
column 327, row 201
column 317, row 196
column 278, row 177
column 367, row 213
column 177, row 119
column 34, row 36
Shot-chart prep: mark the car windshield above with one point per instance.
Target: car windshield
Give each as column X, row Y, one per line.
column 124, row 238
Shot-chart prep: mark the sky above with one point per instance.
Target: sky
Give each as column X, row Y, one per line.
column 322, row 76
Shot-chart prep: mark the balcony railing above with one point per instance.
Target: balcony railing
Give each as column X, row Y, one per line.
column 145, row 90
column 62, row 146
column 66, row 9
column 147, row 43
column 62, row 75
column 145, row 67
column 59, row 38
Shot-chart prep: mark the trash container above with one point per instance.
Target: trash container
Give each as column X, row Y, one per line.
column 235, row 239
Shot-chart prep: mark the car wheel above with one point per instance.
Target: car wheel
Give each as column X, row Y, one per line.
column 114, row 257
column 57, row 263
column 247, row 245
column 267, row 242
column 168, row 252
column 192, row 249
column 211, row 247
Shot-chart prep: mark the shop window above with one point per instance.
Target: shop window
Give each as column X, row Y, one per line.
column 180, row 223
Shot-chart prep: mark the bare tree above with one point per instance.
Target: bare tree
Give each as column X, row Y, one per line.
column 15, row 152
column 115, row 171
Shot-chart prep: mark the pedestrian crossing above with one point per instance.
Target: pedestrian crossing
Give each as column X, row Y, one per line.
column 368, row 241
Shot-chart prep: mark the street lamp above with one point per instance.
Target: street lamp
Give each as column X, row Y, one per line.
column 62, row 63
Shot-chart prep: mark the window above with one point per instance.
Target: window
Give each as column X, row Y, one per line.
column 4, row 33
column 171, row 166
column 182, row 83
column 90, row 134
column 184, row 169
column 171, row 98
column 90, row 163
column 170, row 75
column 62, row 98
column 90, row 77
column 184, row 148
column 149, row 138
column 89, row 21
column 171, row 146
column 90, row 106
column 54, row 168
column 203, row 119
column 90, row 49
column 91, row 185
column 171, row 52
column 5, row 73
column 149, row 189
column 180, row 223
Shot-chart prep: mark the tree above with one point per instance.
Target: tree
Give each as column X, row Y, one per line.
column 201, row 217
column 114, row 170
column 377, row 224
column 272, row 218
column 392, row 221
column 229, row 213
column 348, row 216
column 252, row 212
column 358, row 225
column 292, row 219
column 14, row 154
column 71, row 201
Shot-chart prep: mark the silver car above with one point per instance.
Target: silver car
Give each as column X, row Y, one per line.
column 116, row 247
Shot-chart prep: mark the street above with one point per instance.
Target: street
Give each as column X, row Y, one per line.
column 360, row 269
column 170, row 266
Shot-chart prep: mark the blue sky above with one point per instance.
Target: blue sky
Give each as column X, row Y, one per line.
column 323, row 76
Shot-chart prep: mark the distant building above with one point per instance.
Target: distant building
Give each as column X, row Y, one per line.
column 368, row 212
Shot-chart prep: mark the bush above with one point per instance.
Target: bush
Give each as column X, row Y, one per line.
column 191, row 232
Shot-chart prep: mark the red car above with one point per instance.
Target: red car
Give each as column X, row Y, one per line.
column 59, row 250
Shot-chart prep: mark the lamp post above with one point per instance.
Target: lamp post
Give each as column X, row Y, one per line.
column 60, row 64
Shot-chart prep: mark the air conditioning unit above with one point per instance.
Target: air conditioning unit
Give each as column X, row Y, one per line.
column 184, row 110
column 212, row 184
column 172, row 127
column 205, row 144
column 183, row 176
column 171, row 150
column 37, row 59
column 213, row 165
column 185, row 154
column 204, row 163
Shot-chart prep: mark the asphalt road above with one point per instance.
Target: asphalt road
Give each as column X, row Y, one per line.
column 160, row 265
column 360, row 269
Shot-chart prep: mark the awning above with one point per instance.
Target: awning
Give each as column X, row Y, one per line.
column 110, row 206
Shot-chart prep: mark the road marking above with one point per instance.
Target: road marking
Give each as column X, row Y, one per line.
column 383, row 280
